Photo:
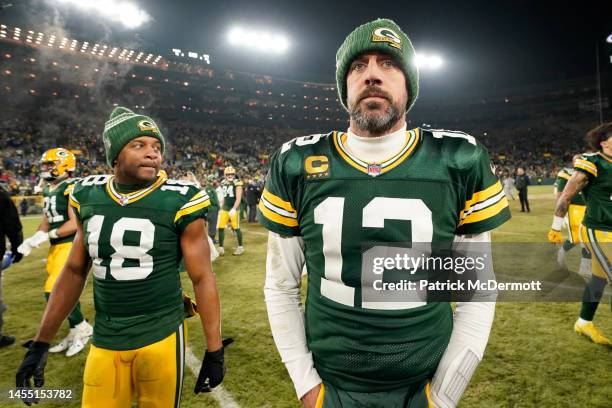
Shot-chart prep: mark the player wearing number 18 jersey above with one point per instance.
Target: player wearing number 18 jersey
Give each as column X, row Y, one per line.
column 134, row 228
column 328, row 198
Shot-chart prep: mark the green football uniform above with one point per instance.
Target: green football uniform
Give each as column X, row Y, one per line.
column 562, row 178
column 440, row 184
column 598, row 192
column 55, row 206
column 229, row 193
column 134, row 242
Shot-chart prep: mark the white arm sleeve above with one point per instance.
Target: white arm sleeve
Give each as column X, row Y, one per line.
column 471, row 327
column 284, row 264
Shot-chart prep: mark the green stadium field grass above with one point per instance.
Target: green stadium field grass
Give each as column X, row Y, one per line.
column 534, row 359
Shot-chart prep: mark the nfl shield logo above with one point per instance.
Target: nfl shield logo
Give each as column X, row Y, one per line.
column 374, row 169
column 124, row 200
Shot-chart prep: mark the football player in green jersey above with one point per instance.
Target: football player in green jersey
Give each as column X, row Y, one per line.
column 332, row 199
column 592, row 177
column 230, row 207
column 133, row 229
column 59, row 226
column 572, row 221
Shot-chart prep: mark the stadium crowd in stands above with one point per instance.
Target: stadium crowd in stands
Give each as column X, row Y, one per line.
column 217, row 118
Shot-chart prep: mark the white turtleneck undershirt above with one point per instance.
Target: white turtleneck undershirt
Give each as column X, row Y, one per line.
column 376, row 149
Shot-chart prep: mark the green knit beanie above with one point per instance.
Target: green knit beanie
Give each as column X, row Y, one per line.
column 381, row 35
column 125, row 125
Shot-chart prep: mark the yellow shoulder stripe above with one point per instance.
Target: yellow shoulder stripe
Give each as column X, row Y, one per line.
column 483, row 195
column 277, row 201
column 74, row 203
column 190, row 210
column 69, row 189
column 586, row 166
column 277, row 218
column 563, row 175
column 198, row 195
column 488, row 212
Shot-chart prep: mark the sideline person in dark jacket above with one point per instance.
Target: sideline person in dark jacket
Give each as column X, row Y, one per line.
column 10, row 227
column 521, row 183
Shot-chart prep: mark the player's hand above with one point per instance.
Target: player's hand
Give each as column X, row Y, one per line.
column 232, row 212
column 554, row 236
column 309, row 400
column 33, row 366
column 211, row 372
column 25, row 248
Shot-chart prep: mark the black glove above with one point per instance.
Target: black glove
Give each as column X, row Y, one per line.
column 211, row 372
column 17, row 256
column 33, row 365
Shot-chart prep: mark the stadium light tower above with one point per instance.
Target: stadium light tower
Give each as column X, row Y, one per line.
column 429, row 62
column 258, row 40
column 128, row 14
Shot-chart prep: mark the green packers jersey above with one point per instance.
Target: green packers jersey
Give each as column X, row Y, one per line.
column 229, row 193
column 562, row 178
column 440, row 184
column 55, row 206
column 214, row 200
column 598, row 192
column 134, row 243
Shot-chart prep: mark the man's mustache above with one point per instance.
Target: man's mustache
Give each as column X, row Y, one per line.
column 374, row 91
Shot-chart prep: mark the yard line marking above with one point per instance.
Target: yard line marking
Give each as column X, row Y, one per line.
column 223, row 397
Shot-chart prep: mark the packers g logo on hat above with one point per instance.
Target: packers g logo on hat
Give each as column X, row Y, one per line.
column 383, row 34
column 147, row 125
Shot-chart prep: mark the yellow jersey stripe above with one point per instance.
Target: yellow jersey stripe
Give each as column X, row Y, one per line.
column 405, row 155
column 74, row 203
column 277, row 218
column 277, row 201
column 412, row 139
column 320, row 397
column 136, row 195
column 564, row 175
column 345, row 156
column 199, row 194
column 586, row 163
column 483, row 195
column 190, row 210
column 588, row 168
column 428, row 395
column 486, row 213
column 69, row 189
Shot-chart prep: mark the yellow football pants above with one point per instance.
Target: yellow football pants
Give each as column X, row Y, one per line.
column 153, row 374
column 599, row 243
column 56, row 259
column 224, row 218
column 573, row 221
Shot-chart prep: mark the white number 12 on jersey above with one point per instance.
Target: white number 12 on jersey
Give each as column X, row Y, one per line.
column 330, row 213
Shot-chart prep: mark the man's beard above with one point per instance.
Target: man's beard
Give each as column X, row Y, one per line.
column 373, row 122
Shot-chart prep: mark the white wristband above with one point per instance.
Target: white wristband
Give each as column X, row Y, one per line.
column 557, row 223
column 53, row 234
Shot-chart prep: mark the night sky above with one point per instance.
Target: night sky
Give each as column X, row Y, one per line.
column 486, row 44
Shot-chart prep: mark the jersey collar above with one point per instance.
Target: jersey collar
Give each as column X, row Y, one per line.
column 376, row 168
column 605, row 157
column 129, row 198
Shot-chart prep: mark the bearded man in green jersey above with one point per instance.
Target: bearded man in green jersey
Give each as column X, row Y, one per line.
column 133, row 229
column 331, row 199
